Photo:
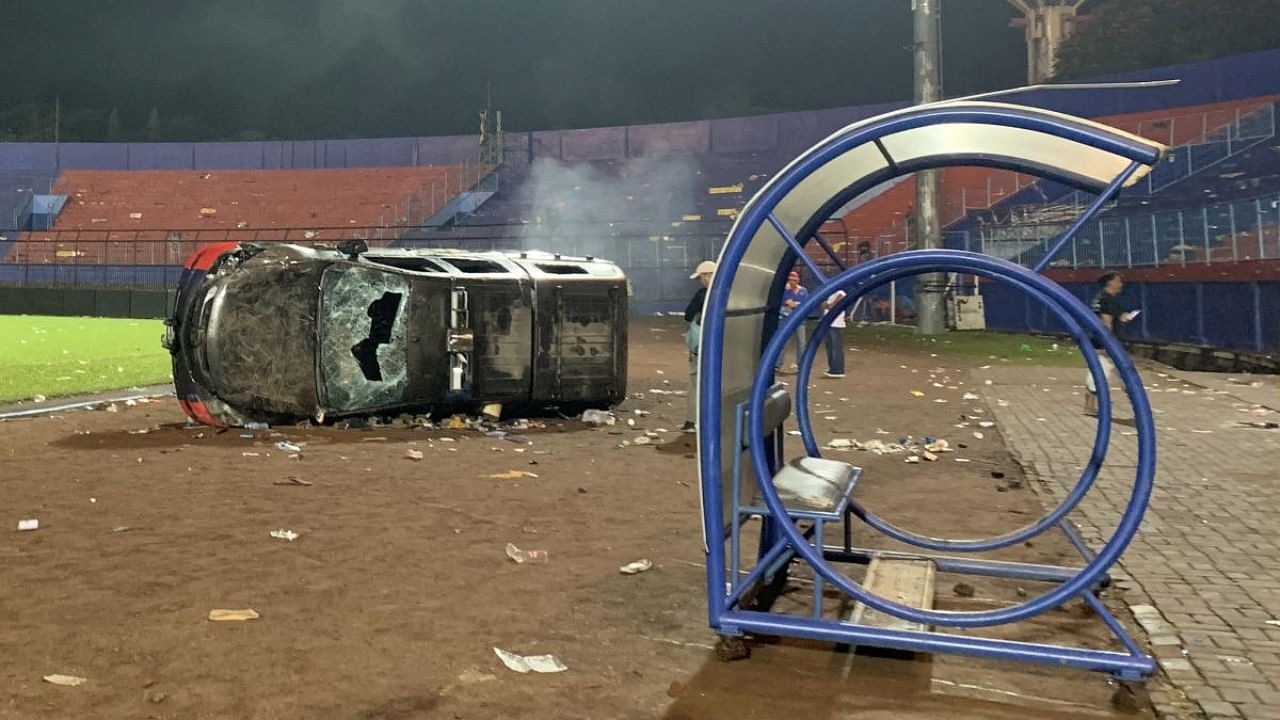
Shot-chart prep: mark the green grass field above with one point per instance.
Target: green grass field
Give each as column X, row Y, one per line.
column 55, row 356
column 979, row 347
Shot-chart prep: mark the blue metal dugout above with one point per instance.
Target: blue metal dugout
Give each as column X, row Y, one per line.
column 807, row 501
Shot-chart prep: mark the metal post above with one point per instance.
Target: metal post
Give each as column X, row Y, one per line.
column 926, row 22
column 893, row 303
column 1262, row 248
column 1204, row 222
column 1128, row 245
column 1231, row 211
column 1155, row 241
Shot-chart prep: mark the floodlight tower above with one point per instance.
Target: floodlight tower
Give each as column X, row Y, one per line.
column 1048, row 23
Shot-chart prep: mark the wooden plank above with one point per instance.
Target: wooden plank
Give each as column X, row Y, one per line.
column 908, row 582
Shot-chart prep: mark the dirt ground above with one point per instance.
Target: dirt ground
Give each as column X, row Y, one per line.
column 389, row 604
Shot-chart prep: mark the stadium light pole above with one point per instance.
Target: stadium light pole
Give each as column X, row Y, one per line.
column 926, row 21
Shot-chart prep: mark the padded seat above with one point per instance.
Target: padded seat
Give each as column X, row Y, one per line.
column 810, row 486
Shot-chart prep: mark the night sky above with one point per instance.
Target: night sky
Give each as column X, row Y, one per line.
column 352, row 68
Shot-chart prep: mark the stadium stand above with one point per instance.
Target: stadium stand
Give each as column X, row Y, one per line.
column 157, row 217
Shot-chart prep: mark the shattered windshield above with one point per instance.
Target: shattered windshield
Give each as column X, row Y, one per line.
column 363, row 352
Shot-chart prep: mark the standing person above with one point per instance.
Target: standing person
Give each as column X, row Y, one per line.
column 835, row 337
column 1106, row 305
column 792, row 296
column 705, row 271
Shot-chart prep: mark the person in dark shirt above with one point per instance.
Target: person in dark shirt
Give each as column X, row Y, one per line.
column 1106, row 305
column 705, row 271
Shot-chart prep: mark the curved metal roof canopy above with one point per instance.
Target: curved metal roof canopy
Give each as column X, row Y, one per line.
column 767, row 239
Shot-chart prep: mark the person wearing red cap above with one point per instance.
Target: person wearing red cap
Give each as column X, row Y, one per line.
column 792, row 296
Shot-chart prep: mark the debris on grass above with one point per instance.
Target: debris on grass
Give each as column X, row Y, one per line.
column 530, row 663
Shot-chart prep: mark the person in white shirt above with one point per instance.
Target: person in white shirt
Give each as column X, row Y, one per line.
column 835, row 338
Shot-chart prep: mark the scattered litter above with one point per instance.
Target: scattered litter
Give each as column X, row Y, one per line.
column 65, row 680
column 793, row 432
column 530, row 663
column 283, row 534
column 642, row 440
column 939, row 446
column 939, row 400
column 513, row 475
column 493, row 411
column 963, row 460
column 526, row 556
column 978, row 434
column 840, row 444
column 1273, row 622
column 598, row 417
column 287, row 447
column 121, row 528
column 929, row 456
column 113, row 408
column 913, row 459
column 969, row 396
column 637, row 567
column 917, row 393
column 412, row 454
column 244, row 454
column 1202, row 432
column 986, row 423
column 233, row 615
column 257, row 426
column 39, row 398
column 831, row 418
column 293, row 480
column 25, row 525
column 246, row 436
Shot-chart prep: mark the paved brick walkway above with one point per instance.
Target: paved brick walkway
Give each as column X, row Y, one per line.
column 1203, row 573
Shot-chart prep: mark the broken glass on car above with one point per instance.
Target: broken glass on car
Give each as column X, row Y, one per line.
column 363, row 349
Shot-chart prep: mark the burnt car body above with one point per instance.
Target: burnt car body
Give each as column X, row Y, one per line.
column 278, row 332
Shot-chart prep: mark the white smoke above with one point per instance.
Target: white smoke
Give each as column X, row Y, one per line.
column 591, row 208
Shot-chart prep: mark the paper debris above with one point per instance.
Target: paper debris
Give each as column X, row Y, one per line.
column 637, row 567
column 513, row 475
column 526, row 556
column 530, row 663
column 412, row 454
column 917, row 393
column 65, row 680
column 233, row 615
column 30, row 524
column 283, row 534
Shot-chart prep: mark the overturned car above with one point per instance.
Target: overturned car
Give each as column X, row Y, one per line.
column 281, row 333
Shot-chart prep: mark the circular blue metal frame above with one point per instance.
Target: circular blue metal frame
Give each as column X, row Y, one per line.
column 1088, row 476
column 913, row 263
column 749, row 223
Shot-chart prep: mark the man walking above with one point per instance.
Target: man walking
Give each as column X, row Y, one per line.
column 834, row 341
column 1106, row 305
